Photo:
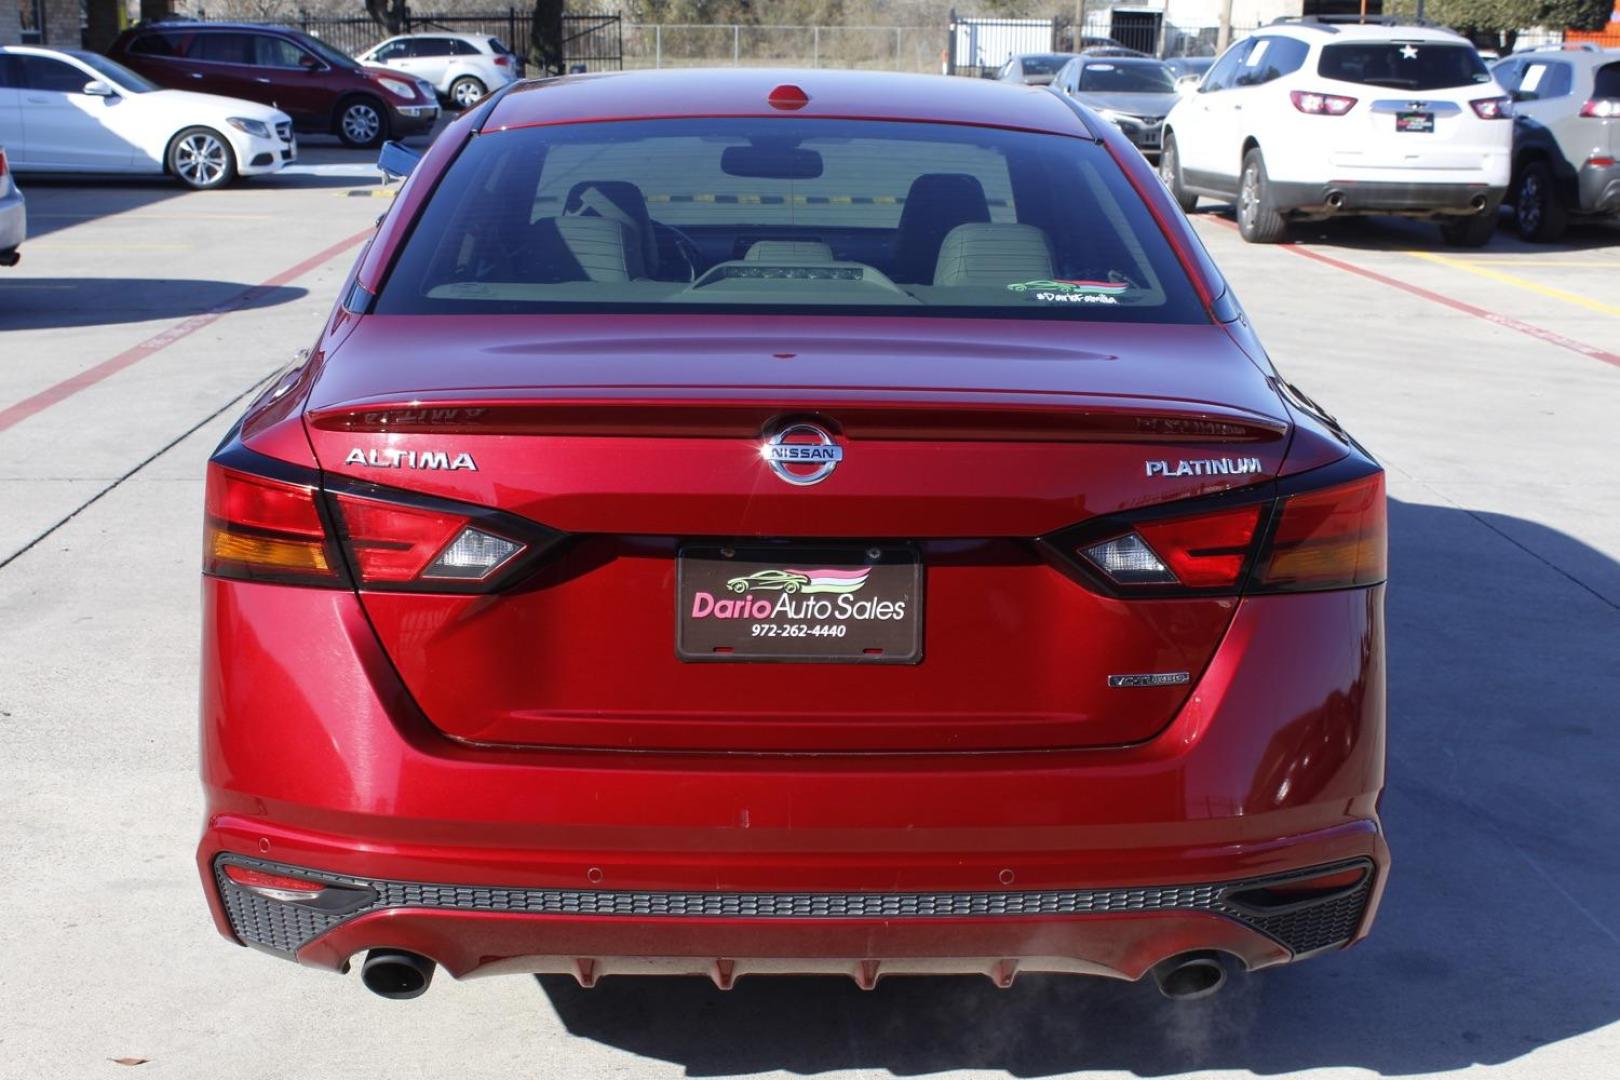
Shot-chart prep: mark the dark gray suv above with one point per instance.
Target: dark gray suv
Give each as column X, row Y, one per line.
column 1566, row 137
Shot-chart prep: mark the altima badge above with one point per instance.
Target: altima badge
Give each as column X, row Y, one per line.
column 802, row 454
column 410, row 459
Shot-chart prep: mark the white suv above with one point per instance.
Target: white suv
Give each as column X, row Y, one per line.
column 1312, row 118
column 462, row 67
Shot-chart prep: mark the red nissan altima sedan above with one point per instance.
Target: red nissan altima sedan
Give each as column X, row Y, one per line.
column 750, row 522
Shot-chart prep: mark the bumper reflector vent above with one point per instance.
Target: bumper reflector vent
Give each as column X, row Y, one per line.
column 286, row 927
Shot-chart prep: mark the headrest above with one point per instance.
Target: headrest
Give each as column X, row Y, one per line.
column 993, row 254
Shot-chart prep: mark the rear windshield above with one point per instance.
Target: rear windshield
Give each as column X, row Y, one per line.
column 1127, row 79
column 1405, row 65
column 1043, row 65
column 1606, row 83
column 784, row 215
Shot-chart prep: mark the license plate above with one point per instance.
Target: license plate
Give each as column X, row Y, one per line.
column 803, row 603
column 1414, row 121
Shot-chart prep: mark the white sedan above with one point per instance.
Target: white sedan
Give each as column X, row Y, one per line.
column 65, row 111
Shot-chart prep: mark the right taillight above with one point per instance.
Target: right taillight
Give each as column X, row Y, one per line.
column 1601, row 109
column 1285, row 537
column 1335, row 538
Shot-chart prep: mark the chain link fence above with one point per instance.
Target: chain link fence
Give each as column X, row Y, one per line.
column 877, row 48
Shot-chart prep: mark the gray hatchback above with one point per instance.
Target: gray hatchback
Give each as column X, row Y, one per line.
column 1566, row 137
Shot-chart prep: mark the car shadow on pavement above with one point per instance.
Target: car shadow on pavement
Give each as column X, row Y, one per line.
column 36, row 303
column 1497, row 934
column 1376, row 233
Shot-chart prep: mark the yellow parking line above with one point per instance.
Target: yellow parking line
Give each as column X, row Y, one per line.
column 1577, row 264
column 1519, row 282
column 53, row 245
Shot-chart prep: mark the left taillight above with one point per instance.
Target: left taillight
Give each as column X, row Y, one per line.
column 267, row 525
column 270, row 521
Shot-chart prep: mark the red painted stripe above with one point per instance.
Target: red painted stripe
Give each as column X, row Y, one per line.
column 1551, row 337
column 52, row 395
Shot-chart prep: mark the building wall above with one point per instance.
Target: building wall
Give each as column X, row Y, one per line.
column 64, row 21
column 11, row 21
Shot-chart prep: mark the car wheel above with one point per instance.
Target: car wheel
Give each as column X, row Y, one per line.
column 1537, row 211
column 1472, row 232
column 1258, row 220
column 1170, row 173
column 202, row 159
column 466, row 92
column 361, row 123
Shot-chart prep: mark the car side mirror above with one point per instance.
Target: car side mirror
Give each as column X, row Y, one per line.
column 97, row 88
column 396, row 160
column 1188, row 84
column 309, row 64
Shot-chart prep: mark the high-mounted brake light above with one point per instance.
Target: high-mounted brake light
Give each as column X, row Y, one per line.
column 263, row 528
column 1315, row 104
column 1601, row 109
column 787, row 96
column 1493, row 108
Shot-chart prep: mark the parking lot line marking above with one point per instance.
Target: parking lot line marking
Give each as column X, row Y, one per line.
column 1517, row 282
column 52, row 395
column 1580, row 264
column 1507, row 322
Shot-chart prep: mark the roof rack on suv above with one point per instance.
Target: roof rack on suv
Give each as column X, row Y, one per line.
column 1561, row 46
column 1329, row 24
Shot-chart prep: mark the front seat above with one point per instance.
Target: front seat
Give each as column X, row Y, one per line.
column 936, row 204
column 621, row 201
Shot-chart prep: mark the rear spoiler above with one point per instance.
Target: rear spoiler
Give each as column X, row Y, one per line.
column 699, row 413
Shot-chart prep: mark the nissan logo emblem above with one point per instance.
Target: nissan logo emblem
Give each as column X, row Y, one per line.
column 802, row 454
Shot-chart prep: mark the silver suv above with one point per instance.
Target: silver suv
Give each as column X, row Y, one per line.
column 1566, row 137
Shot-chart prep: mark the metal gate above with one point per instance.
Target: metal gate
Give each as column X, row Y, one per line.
column 592, row 43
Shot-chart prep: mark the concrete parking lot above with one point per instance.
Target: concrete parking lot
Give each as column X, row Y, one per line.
column 1487, row 381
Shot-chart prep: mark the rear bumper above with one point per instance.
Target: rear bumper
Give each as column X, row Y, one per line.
column 1599, row 187
column 1102, row 861
column 1388, row 197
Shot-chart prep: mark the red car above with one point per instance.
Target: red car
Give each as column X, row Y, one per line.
column 322, row 89
column 742, row 523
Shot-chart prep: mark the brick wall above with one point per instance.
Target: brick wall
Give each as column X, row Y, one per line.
column 63, row 24
column 11, row 21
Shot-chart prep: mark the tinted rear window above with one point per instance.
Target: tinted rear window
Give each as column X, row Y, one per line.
column 1606, row 83
column 1410, row 65
column 1042, row 65
column 785, row 215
